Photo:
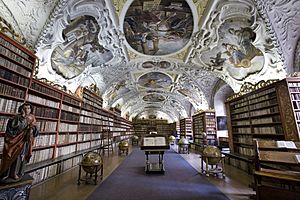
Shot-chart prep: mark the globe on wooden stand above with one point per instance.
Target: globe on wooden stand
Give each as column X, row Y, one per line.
column 212, row 155
column 123, row 147
column 183, row 145
column 172, row 139
column 91, row 163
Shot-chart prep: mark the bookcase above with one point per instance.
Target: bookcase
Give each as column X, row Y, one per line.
column 186, row 128
column 69, row 126
column 143, row 126
column 268, row 112
column 204, row 122
column 16, row 70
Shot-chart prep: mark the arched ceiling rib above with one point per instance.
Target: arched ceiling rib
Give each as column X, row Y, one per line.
column 165, row 57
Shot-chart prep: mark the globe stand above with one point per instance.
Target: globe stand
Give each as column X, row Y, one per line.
column 123, row 150
column 89, row 177
column 183, row 148
column 213, row 168
column 123, row 147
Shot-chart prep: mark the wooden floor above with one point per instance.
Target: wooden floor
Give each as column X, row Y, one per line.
column 64, row 186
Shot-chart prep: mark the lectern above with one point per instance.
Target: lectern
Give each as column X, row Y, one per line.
column 155, row 144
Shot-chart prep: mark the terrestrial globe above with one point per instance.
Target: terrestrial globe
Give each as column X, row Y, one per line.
column 123, row 144
column 183, row 141
column 213, row 154
column 172, row 138
column 135, row 138
column 90, row 161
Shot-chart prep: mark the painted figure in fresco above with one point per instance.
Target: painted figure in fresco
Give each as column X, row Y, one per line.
column 242, row 55
column 18, row 143
column 236, row 57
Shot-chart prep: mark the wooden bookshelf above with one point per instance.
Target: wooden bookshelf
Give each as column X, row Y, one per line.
column 266, row 113
column 186, row 128
column 204, row 129
column 69, row 126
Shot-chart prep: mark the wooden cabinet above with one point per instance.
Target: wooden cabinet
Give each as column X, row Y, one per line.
column 270, row 112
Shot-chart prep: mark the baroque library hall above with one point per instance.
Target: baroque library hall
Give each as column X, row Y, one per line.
column 150, row 99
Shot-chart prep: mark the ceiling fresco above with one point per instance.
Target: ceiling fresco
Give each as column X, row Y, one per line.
column 152, row 58
column 155, row 80
column 81, row 48
column 158, row 27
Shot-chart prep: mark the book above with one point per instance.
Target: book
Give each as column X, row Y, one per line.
column 286, row 144
column 155, row 141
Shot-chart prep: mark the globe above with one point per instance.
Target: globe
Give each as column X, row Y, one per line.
column 213, row 154
column 90, row 161
column 123, row 145
column 183, row 141
column 172, row 138
column 135, row 138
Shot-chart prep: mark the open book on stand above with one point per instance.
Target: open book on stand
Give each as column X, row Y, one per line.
column 286, row 144
column 155, row 141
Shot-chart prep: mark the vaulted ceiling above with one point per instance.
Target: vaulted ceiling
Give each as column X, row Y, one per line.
column 162, row 58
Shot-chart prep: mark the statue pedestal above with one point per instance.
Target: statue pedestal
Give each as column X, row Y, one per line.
column 17, row 190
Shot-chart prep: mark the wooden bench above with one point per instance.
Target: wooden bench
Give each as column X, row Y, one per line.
column 277, row 173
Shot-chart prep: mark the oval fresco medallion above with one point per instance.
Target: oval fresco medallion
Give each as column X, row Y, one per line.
column 155, row 80
column 154, row 98
column 158, row 27
column 80, row 49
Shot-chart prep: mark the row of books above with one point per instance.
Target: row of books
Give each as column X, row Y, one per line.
column 89, row 136
column 267, row 97
column 295, row 96
column 240, row 122
column 66, row 138
column 276, row 129
column 39, row 100
column 244, row 101
column 65, row 150
column 45, row 90
column 3, row 122
column 44, row 173
column 293, row 84
column 273, row 119
column 296, row 104
column 15, row 67
column 13, row 48
column 41, row 111
column 263, row 104
column 71, row 100
column 9, row 106
column 69, row 116
column 66, row 127
column 43, row 140
column 11, row 91
column 85, row 145
column 12, row 55
column 244, row 139
column 249, row 152
column 41, row 155
column 266, row 111
column 16, row 78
